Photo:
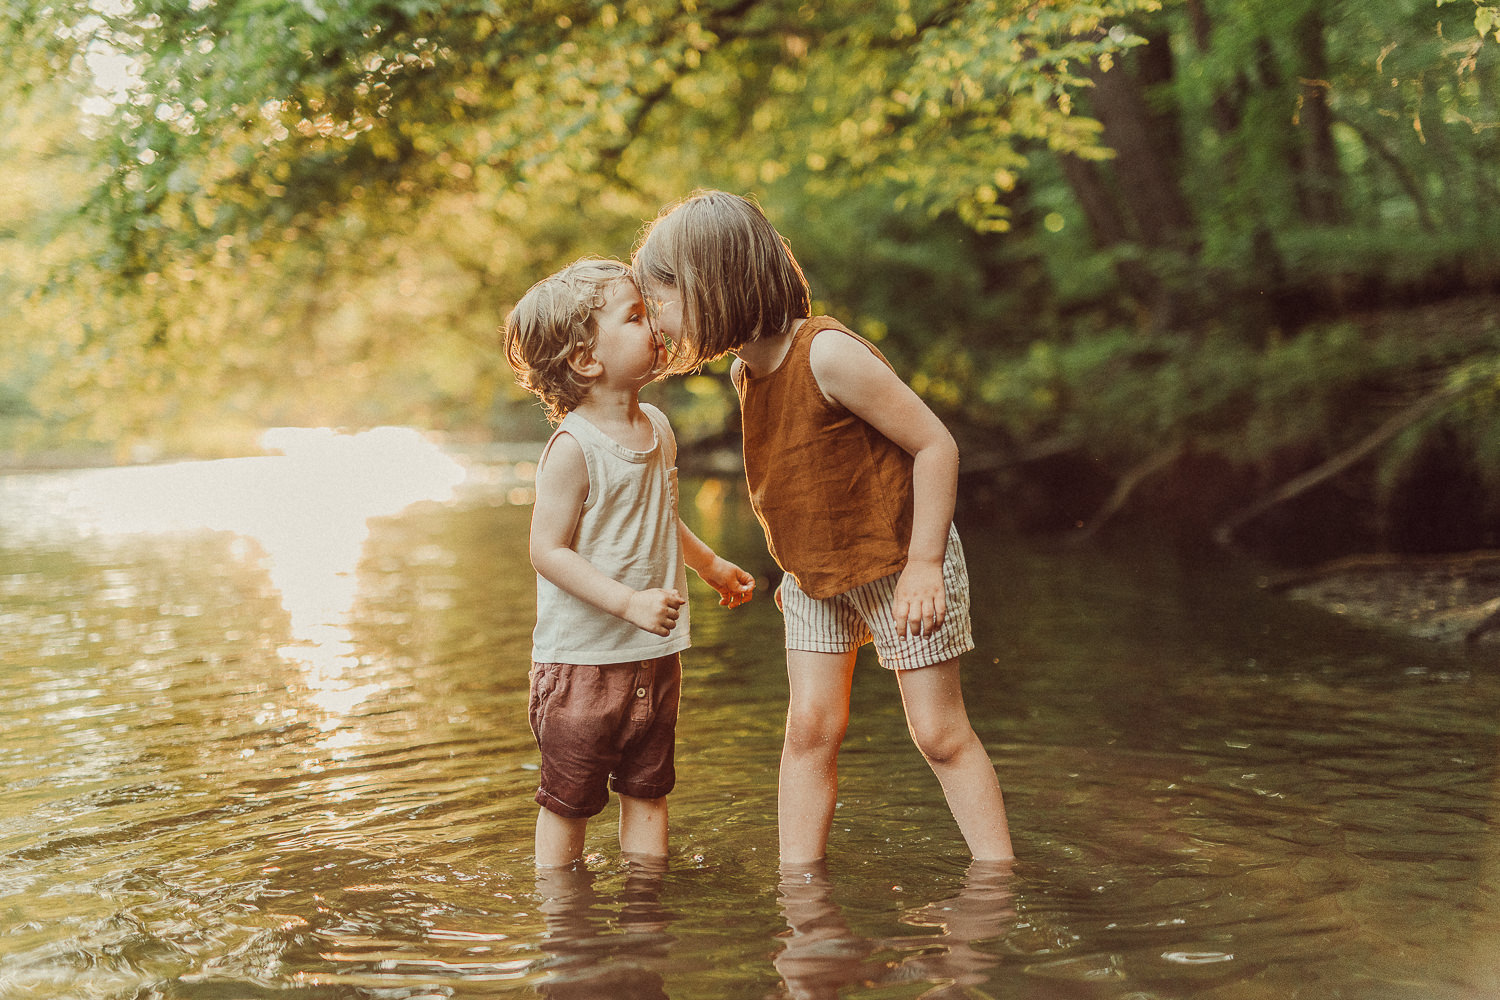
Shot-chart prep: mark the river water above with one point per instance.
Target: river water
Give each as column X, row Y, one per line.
column 265, row 736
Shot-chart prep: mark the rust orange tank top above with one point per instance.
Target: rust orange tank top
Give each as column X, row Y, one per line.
column 833, row 494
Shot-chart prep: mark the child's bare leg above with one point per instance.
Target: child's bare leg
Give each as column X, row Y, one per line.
column 643, row 827
column 817, row 717
column 559, row 839
column 940, row 727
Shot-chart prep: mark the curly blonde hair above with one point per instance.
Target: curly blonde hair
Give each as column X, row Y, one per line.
column 553, row 321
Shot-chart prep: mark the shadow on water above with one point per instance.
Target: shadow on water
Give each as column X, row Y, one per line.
column 245, row 757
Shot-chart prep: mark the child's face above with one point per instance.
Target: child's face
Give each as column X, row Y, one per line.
column 664, row 305
column 627, row 347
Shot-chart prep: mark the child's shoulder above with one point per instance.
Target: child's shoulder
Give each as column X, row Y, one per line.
column 850, row 370
column 563, row 464
column 833, row 341
column 657, row 416
column 663, row 428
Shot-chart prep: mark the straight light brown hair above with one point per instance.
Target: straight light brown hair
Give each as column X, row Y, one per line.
column 733, row 273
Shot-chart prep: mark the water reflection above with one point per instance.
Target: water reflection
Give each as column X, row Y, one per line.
column 822, row 954
column 596, row 945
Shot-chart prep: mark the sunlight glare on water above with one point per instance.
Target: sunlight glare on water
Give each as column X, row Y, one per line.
column 304, row 514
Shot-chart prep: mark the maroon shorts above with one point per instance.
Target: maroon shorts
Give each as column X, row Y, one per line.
column 602, row 727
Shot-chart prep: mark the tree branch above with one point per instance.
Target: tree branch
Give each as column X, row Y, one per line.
column 1225, row 532
column 1126, row 486
column 1488, row 623
column 1403, row 173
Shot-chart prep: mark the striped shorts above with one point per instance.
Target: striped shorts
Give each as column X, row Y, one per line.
column 849, row 620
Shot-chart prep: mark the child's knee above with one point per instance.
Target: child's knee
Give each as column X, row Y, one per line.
column 814, row 732
column 942, row 744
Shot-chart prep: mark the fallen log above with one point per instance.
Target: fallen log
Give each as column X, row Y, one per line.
column 1487, row 624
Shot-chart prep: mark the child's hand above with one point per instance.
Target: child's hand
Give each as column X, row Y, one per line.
column 734, row 585
column 919, row 604
column 655, row 610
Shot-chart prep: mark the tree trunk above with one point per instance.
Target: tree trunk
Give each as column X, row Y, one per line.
column 1155, row 68
column 1143, row 161
column 1107, row 223
column 1226, row 108
column 1150, row 208
column 1322, row 180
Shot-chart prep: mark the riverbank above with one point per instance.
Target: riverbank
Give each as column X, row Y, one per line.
column 1449, row 599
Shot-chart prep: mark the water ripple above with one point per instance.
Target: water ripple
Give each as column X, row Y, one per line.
column 210, row 796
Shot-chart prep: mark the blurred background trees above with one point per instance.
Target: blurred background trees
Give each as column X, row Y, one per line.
column 1189, row 246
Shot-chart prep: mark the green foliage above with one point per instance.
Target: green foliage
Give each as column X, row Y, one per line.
column 1410, row 117
column 321, row 212
column 1120, row 397
column 45, row 173
column 1392, row 259
column 250, row 117
column 1486, row 19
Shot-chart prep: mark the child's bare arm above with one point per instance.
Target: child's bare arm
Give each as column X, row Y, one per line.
column 734, row 585
column 850, row 375
column 562, row 486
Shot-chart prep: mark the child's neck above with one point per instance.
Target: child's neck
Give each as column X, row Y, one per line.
column 617, row 412
column 764, row 355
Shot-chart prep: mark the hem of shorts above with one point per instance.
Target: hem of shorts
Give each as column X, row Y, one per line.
column 650, row 792
column 814, row 646
column 930, row 659
column 555, row 805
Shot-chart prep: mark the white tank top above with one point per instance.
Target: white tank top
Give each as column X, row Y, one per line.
column 628, row 530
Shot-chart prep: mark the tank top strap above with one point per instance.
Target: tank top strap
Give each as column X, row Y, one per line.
column 802, row 341
column 801, row 349
column 799, row 352
column 665, row 439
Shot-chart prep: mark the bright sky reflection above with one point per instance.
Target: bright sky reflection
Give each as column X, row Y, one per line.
column 308, row 509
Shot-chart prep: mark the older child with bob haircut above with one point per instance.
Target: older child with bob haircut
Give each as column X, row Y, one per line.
column 609, row 552
column 853, row 479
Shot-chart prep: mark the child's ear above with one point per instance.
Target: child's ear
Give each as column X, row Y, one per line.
column 583, row 362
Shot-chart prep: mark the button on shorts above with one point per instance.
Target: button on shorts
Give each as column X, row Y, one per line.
column 601, row 727
column 849, row 620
